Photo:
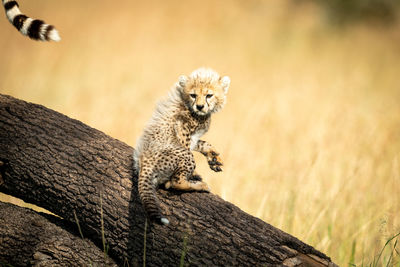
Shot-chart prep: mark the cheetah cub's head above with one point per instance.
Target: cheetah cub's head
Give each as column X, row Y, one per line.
column 204, row 91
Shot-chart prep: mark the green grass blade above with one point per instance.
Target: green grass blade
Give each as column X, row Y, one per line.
column 184, row 250
column 380, row 254
column 353, row 253
column 77, row 223
column 144, row 243
column 103, row 238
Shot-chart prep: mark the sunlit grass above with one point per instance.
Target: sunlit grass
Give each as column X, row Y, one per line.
column 310, row 133
column 19, row 202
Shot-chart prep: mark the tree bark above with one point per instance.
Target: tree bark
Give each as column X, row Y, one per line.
column 29, row 238
column 66, row 166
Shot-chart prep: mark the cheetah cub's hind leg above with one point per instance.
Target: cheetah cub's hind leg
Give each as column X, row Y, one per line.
column 195, row 177
column 185, row 178
column 180, row 182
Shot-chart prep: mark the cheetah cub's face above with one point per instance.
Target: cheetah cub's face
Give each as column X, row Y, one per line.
column 204, row 91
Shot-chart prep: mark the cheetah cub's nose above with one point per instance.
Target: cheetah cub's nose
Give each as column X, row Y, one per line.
column 199, row 107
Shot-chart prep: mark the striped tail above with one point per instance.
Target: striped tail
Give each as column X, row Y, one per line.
column 147, row 193
column 34, row 28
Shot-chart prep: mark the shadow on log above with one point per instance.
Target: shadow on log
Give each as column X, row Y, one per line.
column 65, row 166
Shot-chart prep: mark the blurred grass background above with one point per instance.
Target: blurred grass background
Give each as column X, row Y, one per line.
column 310, row 135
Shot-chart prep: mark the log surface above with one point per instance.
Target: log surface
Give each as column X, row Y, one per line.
column 63, row 165
column 28, row 238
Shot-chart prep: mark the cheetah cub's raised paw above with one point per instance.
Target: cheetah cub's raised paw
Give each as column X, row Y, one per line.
column 214, row 161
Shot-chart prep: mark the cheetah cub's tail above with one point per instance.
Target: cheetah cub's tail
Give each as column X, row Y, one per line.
column 147, row 193
column 33, row 28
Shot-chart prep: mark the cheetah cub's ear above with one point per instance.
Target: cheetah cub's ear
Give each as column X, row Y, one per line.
column 225, row 82
column 182, row 81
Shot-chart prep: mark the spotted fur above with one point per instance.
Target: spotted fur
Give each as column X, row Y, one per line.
column 163, row 152
column 33, row 28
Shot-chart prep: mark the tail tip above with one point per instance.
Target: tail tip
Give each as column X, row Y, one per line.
column 164, row 221
column 54, row 36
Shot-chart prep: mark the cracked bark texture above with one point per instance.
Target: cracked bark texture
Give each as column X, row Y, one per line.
column 30, row 238
column 63, row 165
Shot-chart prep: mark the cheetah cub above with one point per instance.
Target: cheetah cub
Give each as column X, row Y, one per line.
column 163, row 152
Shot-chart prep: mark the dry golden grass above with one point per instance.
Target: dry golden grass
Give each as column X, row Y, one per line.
column 311, row 132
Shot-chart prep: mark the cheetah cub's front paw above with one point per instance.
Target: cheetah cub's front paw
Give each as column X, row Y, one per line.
column 214, row 161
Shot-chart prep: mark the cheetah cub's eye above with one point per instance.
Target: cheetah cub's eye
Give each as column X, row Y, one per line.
column 209, row 95
column 193, row 96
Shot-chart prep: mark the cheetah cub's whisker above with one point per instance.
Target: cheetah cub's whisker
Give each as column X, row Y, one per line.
column 163, row 152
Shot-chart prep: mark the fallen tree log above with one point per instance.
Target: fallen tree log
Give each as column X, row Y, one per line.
column 28, row 238
column 67, row 167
